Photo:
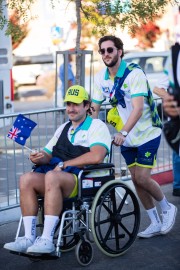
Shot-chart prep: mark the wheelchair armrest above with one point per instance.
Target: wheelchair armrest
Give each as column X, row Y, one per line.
column 98, row 167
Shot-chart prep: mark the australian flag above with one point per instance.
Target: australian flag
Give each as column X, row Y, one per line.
column 21, row 130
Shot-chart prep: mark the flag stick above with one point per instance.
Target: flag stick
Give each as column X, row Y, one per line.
column 28, row 148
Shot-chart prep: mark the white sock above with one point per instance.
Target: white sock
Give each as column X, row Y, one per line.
column 30, row 227
column 153, row 215
column 164, row 204
column 50, row 223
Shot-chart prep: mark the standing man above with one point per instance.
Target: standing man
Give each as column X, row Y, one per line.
column 75, row 144
column 139, row 134
column 171, row 104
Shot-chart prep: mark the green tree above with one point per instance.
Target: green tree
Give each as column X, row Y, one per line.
column 20, row 31
column 104, row 15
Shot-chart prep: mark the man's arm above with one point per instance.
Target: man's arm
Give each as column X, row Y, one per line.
column 170, row 106
column 161, row 92
column 95, row 108
column 138, row 106
column 95, row 156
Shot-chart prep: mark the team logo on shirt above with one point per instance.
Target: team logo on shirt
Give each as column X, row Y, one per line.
column 105, row 89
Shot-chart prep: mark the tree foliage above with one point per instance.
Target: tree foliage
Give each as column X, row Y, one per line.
column 107, row 15
column 18, row 31
column 19, row 17
column 104, row 15
column 146, row 34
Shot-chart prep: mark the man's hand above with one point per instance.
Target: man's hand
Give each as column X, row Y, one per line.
column 95, row 108
column 119, row 139
column 35, row 156
column 170, row 106
column 57, row 169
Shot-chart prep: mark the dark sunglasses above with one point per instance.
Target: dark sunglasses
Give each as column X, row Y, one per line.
column 109, row 50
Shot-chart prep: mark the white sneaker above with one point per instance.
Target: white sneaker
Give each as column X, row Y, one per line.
column 168, row 219
column 41, row 245
column 20, row 245
column 152, row 230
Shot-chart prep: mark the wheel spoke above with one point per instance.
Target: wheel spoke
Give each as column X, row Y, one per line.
column 116, row 219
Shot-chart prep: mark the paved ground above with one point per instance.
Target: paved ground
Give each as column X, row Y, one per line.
column 158, row 253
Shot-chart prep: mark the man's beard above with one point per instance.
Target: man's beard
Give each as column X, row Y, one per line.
column 113, row 63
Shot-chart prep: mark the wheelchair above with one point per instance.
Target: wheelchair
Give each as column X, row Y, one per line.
column 105, row 212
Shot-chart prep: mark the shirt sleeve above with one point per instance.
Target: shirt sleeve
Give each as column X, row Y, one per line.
column 138, row 83
column 163, row 81
column 97, row 96
column 99, row 136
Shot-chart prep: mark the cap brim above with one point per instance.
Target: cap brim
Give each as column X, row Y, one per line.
column 74, row 100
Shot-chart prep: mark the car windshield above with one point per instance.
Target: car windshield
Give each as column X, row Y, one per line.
column 152, row 64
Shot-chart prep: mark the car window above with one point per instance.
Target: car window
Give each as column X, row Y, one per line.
column 149, row 64
column 154, row 64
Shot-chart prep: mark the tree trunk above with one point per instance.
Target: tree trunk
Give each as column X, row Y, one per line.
column 78, row 38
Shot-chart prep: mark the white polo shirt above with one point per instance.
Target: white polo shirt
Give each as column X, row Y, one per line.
column 92, row 132
column 134, row 85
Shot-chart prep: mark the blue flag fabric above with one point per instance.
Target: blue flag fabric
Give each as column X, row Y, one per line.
column 21, row 129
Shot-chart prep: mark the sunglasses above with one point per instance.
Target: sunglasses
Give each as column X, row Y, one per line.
column 109, row 50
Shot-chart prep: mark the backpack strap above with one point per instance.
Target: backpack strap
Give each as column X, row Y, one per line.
column 119, row 95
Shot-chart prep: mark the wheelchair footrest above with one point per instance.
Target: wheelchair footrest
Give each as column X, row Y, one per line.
column 37, row 256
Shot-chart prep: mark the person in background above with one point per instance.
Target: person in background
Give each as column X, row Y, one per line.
column 170, row 81
column 70, row 76
column 75, row 144
column 126, row 88
column 170, row 106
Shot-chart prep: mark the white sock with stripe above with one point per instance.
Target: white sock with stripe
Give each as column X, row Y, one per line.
column 30, row 227
column 153, row 215
column 50, row 223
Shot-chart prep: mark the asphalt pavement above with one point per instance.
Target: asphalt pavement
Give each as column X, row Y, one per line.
column 157, row 253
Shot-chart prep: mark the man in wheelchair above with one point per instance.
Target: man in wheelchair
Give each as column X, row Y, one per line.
column 76, row 143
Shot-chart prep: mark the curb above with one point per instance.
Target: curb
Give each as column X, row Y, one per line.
column 10, row 215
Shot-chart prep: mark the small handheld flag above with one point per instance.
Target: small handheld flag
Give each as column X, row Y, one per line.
column 21, row 129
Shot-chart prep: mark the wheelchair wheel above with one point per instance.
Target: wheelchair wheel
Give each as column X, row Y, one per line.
column 115, row 218
column 84, row 253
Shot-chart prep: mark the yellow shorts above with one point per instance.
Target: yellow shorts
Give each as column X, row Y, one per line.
column 75, row 190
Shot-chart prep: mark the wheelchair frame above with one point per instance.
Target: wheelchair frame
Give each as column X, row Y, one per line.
column 105, row 212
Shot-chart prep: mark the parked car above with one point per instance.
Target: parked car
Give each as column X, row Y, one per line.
column 153, row 64
column 27, row 69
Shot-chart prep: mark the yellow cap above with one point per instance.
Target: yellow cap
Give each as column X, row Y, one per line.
column 76, row 94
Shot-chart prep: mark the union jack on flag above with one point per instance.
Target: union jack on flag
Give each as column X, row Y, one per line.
column 12, row 134
column 21, row 129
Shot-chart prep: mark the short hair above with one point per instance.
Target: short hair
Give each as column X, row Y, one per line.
column 117, row 42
